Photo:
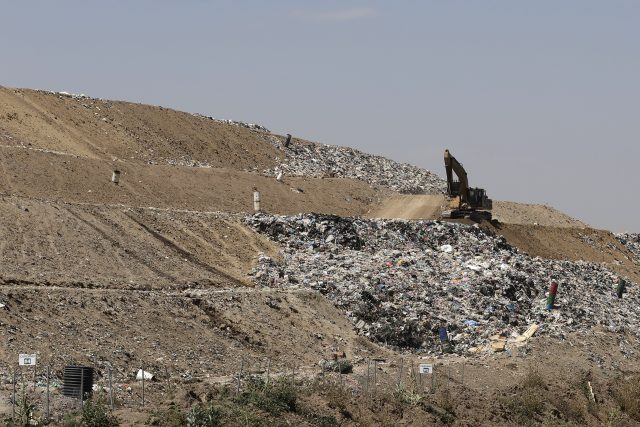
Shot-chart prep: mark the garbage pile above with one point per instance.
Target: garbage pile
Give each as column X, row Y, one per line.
column 632, row 242
column 400, row 281
column 251, row 126
column 321, row 161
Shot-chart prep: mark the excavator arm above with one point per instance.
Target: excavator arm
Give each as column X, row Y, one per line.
column 458, row 188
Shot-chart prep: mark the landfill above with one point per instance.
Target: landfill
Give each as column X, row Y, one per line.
column 238, row 123
column 400, row 281
column 322, row 161
column 632, row 242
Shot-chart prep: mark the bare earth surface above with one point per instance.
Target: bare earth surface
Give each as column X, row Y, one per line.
column 154, row 271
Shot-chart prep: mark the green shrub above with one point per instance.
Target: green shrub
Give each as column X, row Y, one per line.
column 274, row 398
column 204, row 416
column 96, row 413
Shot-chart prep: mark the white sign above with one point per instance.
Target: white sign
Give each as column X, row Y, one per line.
column 425, row 369
column 27, row 359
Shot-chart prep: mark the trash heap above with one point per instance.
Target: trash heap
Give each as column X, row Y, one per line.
column 321, row 161
column 632, row 242
column 238, row 123
column 399, row 281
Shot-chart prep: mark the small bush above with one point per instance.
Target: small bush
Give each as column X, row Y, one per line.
column 205, row 416
column 25, row 408
column 96, row 413
column 274, row 398
column 171, row 417
column 627, row 395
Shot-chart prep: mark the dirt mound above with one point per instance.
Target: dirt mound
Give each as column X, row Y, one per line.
column 104, row 129
column 525, row 213
column 410, row 207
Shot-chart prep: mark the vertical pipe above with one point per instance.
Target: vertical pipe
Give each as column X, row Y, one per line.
column 256, row 201
column 553, row 290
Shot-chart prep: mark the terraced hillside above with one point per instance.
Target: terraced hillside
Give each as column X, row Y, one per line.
column 170, row 269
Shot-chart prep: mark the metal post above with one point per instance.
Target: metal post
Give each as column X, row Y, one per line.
column 433, row 380
column 143, row 386
column 400, row 373
column 375, row 376
column 268, row 371
column 110, row 390
column 240, row 374
column 81, row 388
column 46, row 415
column 368, row 376
column 293, row 375
column 13, row 400
column 166, row 374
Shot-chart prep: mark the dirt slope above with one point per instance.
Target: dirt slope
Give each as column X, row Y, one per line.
column 104, row 129
column 410, row 207
column 432, row 206
column 574, row 244
column 82, row 180
column 93, row 246
column 530, row 214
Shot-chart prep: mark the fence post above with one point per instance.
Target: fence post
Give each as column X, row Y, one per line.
column 13, row 400
column 110, row 389
column 240, row 373
column 433, row 380
column 375, row 376
column 368, row 375
column 81, row 388
column 268, row 371
column 46, row 414
column 293, row 375
column 143, row 385
column 400, row 373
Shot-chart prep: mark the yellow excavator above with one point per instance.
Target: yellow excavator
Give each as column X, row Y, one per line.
column 466, row 202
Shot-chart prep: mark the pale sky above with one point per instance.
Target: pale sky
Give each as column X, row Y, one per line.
column 538, row 99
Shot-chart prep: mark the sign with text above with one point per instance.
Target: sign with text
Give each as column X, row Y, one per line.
column 27, row 359
column 425, row 368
